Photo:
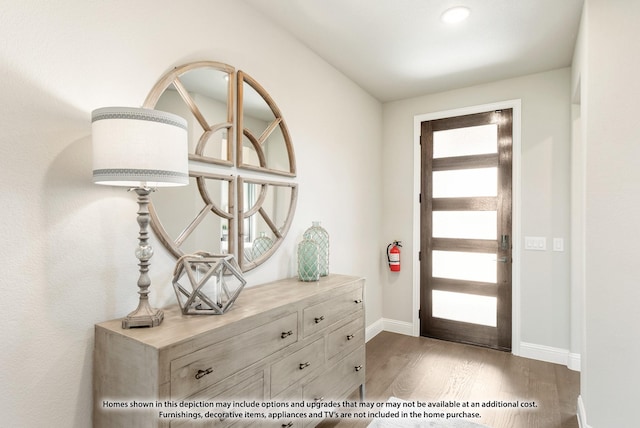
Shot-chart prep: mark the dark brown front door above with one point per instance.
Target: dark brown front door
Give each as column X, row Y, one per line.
column 466, row 229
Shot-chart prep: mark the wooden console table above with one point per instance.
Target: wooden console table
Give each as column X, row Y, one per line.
column 287, row 340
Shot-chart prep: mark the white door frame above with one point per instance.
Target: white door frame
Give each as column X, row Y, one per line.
column 516, row 213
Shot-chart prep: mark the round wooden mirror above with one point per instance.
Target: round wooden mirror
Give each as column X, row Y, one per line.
column 242, row 197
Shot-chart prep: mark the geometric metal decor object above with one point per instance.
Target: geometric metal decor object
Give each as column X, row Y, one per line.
column 207, row 284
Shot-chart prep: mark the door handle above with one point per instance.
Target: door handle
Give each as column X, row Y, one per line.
column 504, row 242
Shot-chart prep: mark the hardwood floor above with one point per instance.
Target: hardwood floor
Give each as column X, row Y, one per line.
column 429, row 370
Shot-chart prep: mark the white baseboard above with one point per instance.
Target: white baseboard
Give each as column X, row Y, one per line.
column 400, row 327
column 550, row 355
column 573, row 362
column 373, row 330
column 582, row 414
column 386, row 324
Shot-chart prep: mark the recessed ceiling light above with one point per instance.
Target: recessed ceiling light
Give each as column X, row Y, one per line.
column 455, row 14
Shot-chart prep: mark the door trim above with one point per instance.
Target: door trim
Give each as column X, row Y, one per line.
column 516, row 208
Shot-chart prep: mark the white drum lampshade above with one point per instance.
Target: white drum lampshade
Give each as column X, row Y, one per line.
column 137, row 147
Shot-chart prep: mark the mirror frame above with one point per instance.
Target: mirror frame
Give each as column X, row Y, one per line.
column 229, row 170
column 173, row 77
column 174, row 244
column 246, row 212
column 258, row 141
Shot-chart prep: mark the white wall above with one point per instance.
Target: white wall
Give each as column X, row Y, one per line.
column 545, row 196
column 606, row 66
column 67, row 252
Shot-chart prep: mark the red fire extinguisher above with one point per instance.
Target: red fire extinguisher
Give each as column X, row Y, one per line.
column 393, row 256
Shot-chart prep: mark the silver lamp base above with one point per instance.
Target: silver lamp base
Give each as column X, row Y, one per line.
column 143, row 317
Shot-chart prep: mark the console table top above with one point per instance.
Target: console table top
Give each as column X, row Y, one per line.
column 251, row 301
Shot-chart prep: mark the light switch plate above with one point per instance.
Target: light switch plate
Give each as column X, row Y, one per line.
column 535, row 243
column 558, row 244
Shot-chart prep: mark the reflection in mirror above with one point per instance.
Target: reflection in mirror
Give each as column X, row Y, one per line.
column 267, row 210
column 203, row 97
column 263, row 139
column 203, row 221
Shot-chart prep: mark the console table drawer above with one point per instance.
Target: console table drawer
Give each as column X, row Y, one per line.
column 346, row 338
column 338, row 380
column 296, row 366
column 326, row 313
column 249, row 389
column 196, row 371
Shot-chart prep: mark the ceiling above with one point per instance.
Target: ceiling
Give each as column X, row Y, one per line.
column 397, row 49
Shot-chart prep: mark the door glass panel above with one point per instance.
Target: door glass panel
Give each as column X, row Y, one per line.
column 465, row 307
column 472, row 140
column 465, row 183
column 465, row 266
column 465, row 224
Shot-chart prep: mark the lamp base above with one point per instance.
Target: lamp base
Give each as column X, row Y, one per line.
column 143, row 317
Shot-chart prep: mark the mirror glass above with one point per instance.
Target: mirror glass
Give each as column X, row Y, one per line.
column 202, row 97
column 202, row 221
column 264, row 142
column 266, row 216
column 221, row 212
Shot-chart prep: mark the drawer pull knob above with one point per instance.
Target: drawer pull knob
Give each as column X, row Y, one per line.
column 358, row 368
column 358, row 301
column 319, row 399
column 320, row 318
column 203, row 373
column 304, row 365
column 350, row 336
column 289, row 425
column 286, row 334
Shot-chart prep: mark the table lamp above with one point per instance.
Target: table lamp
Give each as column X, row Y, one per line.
column 141, row 149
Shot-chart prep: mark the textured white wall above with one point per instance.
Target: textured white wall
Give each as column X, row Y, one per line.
column 545, row 191
column 608, row 69
column 67, row 252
